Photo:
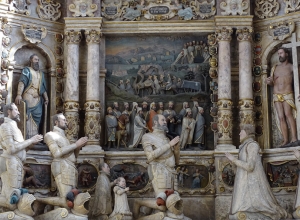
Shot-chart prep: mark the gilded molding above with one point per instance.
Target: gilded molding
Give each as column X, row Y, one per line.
column 244, row 34
column 73, row 37
column 224, row 34
column 93, row 36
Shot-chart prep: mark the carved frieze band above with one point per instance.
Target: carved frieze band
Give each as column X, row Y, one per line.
column 244, row 34
column 224, row 34
column 73, row 37
column 93, row 36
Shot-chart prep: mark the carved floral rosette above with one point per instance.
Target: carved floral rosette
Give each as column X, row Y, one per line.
column 34, row 34
column 224, row 121
column 71, row 113
column 73, row 37
column 281, row 30
column 92, row 127
column 48, row 9
column 246, row 111
column 160, row 11
column 208, row 163
column 83, row 8
column 266, row 9
column 234, row 7
column 204, row 9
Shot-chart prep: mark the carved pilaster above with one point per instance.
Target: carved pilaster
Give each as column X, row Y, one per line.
column 246, row 111
column 72, row 116
column 93, row 36
column 224, row 34
column 92, row 127
column 244, row 34
column 73, row 37
column 224, row 121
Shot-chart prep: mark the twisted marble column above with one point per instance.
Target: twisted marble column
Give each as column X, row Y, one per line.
column 92, row 126
column 224, row 90
column 71, row 105
column 246, row 103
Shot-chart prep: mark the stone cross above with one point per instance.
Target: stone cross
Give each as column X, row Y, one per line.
column 294, row 44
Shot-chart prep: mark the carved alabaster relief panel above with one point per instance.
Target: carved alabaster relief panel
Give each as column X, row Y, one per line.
column 34, row 34
column 196, row 176
column 20, row 6
column 281, row 30
column 266, row 9
column 83, row 8
column 226, row 176
column 49, row 10
column 291, row 6
column 234, row 7
column 204, row 9
column 88, row 173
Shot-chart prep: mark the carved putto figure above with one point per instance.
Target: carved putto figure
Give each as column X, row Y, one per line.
column 83, row 8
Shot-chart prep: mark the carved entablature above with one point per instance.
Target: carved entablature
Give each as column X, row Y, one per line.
column 20, row 6
column 160, row 10
column 291, row 6
column 204, row 9
column 234, row 7
column 49, row 10
column 34, row 34
column 266, row 9
column 83, row 8
column 281, row 30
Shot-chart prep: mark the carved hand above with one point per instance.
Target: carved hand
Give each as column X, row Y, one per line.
column 36, row 138
column 297, row 153
column 174, row 141
column 269, row 81
column 81, row 142
column 18, row 99
column 229, row 156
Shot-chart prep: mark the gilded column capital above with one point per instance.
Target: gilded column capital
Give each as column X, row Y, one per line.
column 224, row 34
column 244, row 34
column 93, row 36
column 73, row 37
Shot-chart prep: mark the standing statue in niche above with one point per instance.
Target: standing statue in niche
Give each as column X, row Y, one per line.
column 283, row 96
column 188, row 126
column 111, row 127
column 252, row 193
column 64, row 157
column 102, row 206
column 11, row 160
column 121, row 208
column 32, row 89
column 199, row 129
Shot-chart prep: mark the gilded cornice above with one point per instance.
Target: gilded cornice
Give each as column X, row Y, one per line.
column 263, row 25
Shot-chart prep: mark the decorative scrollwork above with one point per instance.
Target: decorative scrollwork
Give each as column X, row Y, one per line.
column 83, row 8
column 234, row 7
column 49, row 10
column 266, row 9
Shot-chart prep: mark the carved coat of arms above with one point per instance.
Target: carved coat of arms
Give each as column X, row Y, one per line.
column 20, row 6
column 83, row 8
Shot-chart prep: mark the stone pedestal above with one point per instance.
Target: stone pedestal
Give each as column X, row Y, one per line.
column 224, row 90
column 246, row 103
column 92, row 126
column 71, row 105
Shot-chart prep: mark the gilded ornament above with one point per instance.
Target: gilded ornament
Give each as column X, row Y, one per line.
column 281, row 30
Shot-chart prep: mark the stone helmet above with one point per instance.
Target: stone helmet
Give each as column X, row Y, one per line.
column 81, row 204
column 25, row 204
column 175, row 204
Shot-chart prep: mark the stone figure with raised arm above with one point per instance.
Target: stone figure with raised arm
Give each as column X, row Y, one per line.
column 11, row 160
column 102, row 206
column 162, row 155
column 63, row 164
column 252, row 194
column 32, row 89
column 283, row 96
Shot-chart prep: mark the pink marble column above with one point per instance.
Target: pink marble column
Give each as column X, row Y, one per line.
column 224, row 90
column 71, row 105
column 92, row 126
column 246, row 103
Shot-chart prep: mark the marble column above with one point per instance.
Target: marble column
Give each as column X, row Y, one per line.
column 71, row 105
column 224, row 90
column 92, row 127
column 244, row 36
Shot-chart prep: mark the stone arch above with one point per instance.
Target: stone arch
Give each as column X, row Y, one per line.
column 267, row 54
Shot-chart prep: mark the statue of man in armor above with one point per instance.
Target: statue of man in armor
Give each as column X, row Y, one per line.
column 14, row 153
column 31, row 88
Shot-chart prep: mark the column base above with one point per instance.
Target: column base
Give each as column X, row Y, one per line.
column 225, row 147
column 91, row 148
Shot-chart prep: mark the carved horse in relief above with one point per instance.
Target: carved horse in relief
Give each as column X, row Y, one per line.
column 121, row 134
